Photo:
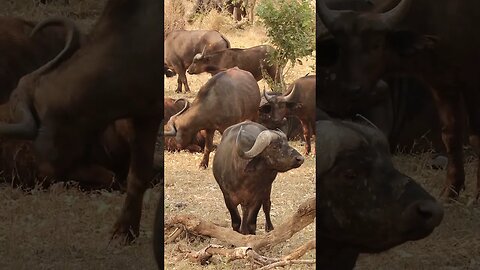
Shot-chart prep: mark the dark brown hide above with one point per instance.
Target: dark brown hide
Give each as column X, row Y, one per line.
column 251, row 59
column 114, row 75
column 433, row 40
column 364, row 204
column 246, row 178
column 182, row 45
column 227, row 98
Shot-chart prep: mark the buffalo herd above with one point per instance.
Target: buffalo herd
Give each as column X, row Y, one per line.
column 391, row 75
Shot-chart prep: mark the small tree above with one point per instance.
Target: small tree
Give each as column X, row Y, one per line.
column 290, row 27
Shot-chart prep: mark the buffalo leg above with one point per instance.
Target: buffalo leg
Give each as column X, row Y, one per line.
column 182, row 79
column 244, row 225
column 140, row 172
column 252, row 215
column 450, row 116
column 267, row 204
column 232, row 208
column 306, row 135
column 208, row 148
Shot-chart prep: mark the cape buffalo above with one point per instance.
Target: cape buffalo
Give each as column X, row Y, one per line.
column 182, row 45
column 21, row 53
column 298, row 100
column 434, row 40
column 364, row 205
column 171, row 107
column 64, row 106
column 245, row 165
column 251, row 59
column 227, row 98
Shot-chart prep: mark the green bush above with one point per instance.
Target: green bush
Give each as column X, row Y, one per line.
column 290, row 27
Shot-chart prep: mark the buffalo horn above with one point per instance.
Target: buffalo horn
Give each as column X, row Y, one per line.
column 268, row 97
column 396, row 14
column 263, row 140
column 25, row 129
column 327, row 15
column 288, row 97
column 169, row 130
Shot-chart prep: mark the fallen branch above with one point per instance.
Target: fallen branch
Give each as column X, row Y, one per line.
column 300, row 251
column 285, row 263
column 302, row 218
column 247, row 245
column 205, row 254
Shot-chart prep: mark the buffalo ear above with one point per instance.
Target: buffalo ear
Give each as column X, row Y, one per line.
column 294, row 105
column 407, row 43
column 252, row 164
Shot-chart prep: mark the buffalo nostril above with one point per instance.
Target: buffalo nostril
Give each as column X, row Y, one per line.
column 300, row 159
column 431, row 212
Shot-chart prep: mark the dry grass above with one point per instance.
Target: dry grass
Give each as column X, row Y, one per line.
column 174, row 16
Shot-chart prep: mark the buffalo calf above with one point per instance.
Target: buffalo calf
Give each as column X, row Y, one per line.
column 247, row 161
column 364, row 204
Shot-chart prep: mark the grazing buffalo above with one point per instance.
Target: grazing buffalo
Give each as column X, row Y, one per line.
column 228, row 98
column 434, row 40
column 245, row 165
column 364, row 204
column 63, row 107
column 171, row 107
column 22, row 53
column 298, row 100
column 181, row 46
column 251, row 59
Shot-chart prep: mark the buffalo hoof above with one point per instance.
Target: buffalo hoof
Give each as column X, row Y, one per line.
column 123, row 234
column 268, row 228
column 203, row 166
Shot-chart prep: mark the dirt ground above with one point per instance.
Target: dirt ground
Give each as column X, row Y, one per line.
column 67, row 229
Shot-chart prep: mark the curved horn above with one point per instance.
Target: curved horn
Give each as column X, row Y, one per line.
column 170, row 130
column 366, row 120
column 327, row 15
column 268, row 97
column 288, row 97
column 25, row 129
column 185, row 107
column 263, row 140
column 396, row 14
column 72, row 42
column 203, row 51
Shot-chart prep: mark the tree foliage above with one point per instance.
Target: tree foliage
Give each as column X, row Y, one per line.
column 290, row 27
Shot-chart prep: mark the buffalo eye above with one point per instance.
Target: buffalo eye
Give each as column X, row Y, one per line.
column 350, row 174
column 266, row 109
